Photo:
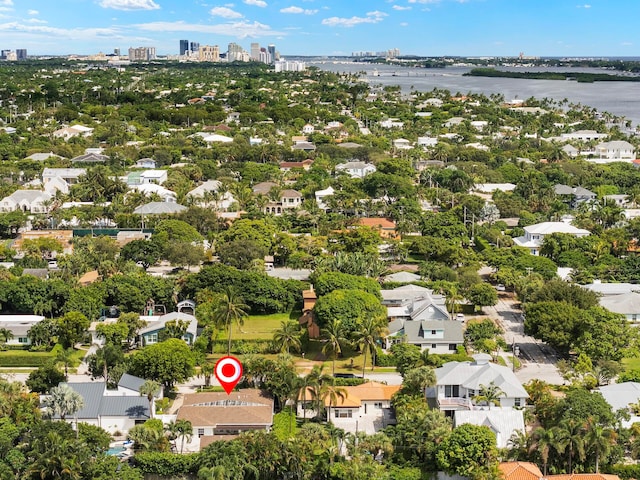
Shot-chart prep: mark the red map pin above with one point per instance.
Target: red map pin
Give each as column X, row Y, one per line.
column 228, row 372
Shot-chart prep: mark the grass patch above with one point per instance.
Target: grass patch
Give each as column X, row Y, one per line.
column 515, row 361
column 632, row 363
column 260, row 327
column 23, row 358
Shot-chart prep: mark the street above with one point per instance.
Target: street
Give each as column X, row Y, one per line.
column 538, row 359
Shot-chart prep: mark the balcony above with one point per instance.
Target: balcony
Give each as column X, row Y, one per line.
column 454, row 403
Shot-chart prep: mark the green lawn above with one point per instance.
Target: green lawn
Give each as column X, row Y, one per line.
column 631, row 363
column 260, row 327
column 25, row 358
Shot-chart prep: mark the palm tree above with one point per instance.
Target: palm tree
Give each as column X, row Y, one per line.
column 334, row 338
column 366, row 336
column 489, row 394
column 150, row 388
column 333, row 393
column 229, row 309
column 5, row 336
column 544, row 439
column 65, row 357
column 287, row 337
column 62, row 401
column 572, row 435
column 185, row 431
column 600, row 440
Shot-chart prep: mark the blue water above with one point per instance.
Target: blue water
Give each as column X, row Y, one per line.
column 115, row 450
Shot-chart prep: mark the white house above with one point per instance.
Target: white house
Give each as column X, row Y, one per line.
column 146, row 163
column 571, row 151
column 69, row 175
column 364, row 408
column 32, row 201
column 156, row 324
column 534, row 234
column 503, row 422
column 402, row 144
column 583, row 135
column 19, row 326
column 391, row 123
column 214, row 137
column 321, row 196
column 614, row 151
column 153, row 176
column 436, row 336
column 210, row 189
column 620, row 396
column 289, row 199
column 356, row 169
column 73, row 131
column 479, row 124
column 113, row 410
column 308, row 129
column 459, row 382
column 151, row 188
column 427, row 141
column 627, row 304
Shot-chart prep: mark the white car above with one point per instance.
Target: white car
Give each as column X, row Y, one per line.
column 500, row 287
column 460, row 317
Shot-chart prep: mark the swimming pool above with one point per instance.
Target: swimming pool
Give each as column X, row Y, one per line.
column 115, row 450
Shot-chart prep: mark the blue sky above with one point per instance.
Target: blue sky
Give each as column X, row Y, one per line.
column 327, row 27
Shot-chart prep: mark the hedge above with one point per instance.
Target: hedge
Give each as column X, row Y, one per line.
column 245, row 347
column 24, row 359
column 168, row 465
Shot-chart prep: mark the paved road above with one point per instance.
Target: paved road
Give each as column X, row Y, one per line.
column 538, row 359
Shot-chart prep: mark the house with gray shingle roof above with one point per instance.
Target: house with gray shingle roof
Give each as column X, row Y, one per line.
column 113, row 410
column 152, row 333
column 503, row 422
column 437, row 336
column 458, row 382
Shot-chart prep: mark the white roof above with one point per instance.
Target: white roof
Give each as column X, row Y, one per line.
column 625, row 304
column 157, row 208
column 214, row 137
column 402, row 277
column 63, row 172
column 504, row 422
column 326, row 191
column 153, row 173
column 547, row 228
column 155, row 323
column 620, row 395
column 612, row 288
column 492, row 187
column 208, row 186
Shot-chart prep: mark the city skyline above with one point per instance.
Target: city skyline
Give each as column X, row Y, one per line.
column 327, row 27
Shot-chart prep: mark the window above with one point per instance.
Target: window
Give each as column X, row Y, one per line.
column 377, row 404
column 451, row 391
column 453, row 347
column 200, row 432
column 434, row 346
column 433, row 332
column 517, row 402
column 341, row 413
column 23, row 340
column 152, row 338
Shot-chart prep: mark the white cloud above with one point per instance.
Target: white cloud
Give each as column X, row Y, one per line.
column 130, row 4
column 424, row 1
column 224, row 12
column 36, row 20
column 294, row 9
column 6, row 3
column 73, row 34
column 400, row 7
column 256, row 3
column 586, row 5
column 33, row 12
column 240, row 29
column 371, row 17
column 404, row 24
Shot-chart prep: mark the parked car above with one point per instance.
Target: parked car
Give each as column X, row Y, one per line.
column 500, row 287
column 460, row 317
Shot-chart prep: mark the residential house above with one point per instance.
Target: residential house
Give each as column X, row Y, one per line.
column 152, row 333
column 391, row 123
column 614, row 151
column 91, row 158
column 73, row 131
column 402, row 277
column 289, row 199
column 214, row 137
column 307, row 319
column 321, row 197
column 385, row 227
column 571, row 151
column 574, row 196
column 308, row 129
column 503, row 422
column 534, row 234
column 479, row 125
column 530, row 471
column 402, row 144
column 351, row 145
column 159, row 208
column 216, row 415
column 263, row 188
column 153, row 176
column 41, row 157
column 149, row 189
column 209, row 194
column 436, row 336
column 70, row 175
column 621, row 396
column 116, row 411
column 303, row 165
column 303, row 146
column 614, row 288
column 65, row 237
column 583, row 135
column 253, row 141
column 149, row 163
column 364, row 408
column 19, row 326
column 620, row 200
column 31, row 201
column 356, row 168
column 454, row 121
column 459, row 382
column 425, row 142
column 627, row 304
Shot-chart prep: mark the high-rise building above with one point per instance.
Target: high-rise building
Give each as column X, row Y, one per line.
column 236, row 53
column 255, row 52
column 4, row 54
column 209, row 53
column 21, row 53
column 184, row 46
column 272, row 52
column 116, row 52
column 142, row 54
column 195, row 46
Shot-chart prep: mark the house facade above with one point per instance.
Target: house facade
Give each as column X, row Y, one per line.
column 30, row 201
column 152, row 333
column 19, row 326
column 534, row 234
column 356, row 169
column 614, row 151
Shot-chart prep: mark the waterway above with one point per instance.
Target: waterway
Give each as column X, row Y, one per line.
column 619, row 98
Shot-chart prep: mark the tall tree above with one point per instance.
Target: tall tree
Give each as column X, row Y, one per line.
column 230, row 309
column 287, row 337
column 334, row 337
column 150, row 389
column 489, row 394
column 366, row 336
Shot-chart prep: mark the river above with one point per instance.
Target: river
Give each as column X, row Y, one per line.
column 619, row 98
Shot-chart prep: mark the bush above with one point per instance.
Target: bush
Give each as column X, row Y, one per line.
column 24, row 359
column 349, row 382
column 167, row 465
column 245, row 347
column 384, row 359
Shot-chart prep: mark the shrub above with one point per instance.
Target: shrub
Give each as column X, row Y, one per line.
column 168, row 465
column 384, row 359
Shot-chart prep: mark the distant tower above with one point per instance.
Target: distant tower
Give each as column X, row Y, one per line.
column 272, row 52
column 21, row 54
column 195, row 46
column 255, row 51
column 184, row 46
column 116, row 52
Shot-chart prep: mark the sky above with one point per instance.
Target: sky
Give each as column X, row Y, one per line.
column 594, row 28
